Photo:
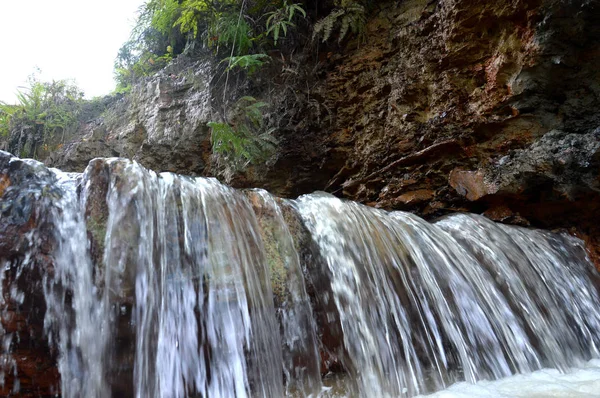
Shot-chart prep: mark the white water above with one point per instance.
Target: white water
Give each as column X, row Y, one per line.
column 581, row 382
column 203, row 310
column 578, row 382
column 440, row 302
column 201, row 291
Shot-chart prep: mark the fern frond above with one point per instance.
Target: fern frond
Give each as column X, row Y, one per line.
column 349, row 15
column 249, row 62
column 346, row 21
column 245, row 140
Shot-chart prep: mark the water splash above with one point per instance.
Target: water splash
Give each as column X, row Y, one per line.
column 581, row 382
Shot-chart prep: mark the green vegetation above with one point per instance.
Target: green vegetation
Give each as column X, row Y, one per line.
column 348, row 15
column 166, row 29
column 229, row 28
column 250, row 62
column 239, row 33
column 42, row 116
column 6, row 113
column 280, row 20
column 243, row 140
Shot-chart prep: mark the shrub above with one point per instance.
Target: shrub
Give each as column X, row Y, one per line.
column 281, row 19
column 44, row 113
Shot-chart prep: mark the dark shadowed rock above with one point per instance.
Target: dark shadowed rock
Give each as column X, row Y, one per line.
column 566, row 164
column 26, row 245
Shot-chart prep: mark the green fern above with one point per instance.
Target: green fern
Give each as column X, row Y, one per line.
column 163, row 14
column 229, row 142
column 192, row 12
column 43, row 111
column 251, row 62
column 252, row 110
column 244, row 140
column 6, row 113
column 348, row 15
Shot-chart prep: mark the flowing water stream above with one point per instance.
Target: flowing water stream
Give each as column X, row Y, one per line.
column 183, row 287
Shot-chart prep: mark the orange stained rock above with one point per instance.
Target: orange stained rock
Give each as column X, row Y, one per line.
column 4, row 183
column 470, row 184
column 420, row 195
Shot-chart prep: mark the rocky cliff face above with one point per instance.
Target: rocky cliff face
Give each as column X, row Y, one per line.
column 486, row 106
column 465, row 84
column 446, row 106
column 161, row 124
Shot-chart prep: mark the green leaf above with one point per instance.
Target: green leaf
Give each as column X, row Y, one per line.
column 348, row 15
column 249, row 62
column 243, row 141
column 279, row 20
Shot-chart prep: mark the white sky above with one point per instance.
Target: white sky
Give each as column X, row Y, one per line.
column 66, row 39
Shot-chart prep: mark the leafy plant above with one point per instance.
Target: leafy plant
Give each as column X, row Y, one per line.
column 278, row 21
column 250, row 62
column 232, row 31
column 348, row 15
column 6, row 113
column 231, row 28
column 44, row 110
column 154, row 41
column 53, row 105
column 244, row 140
column 166, row 28
column 162, row 15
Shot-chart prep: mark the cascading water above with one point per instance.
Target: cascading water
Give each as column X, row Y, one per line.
column 300, row 347
column 168, row 286
column 72, row 299
column 460, row 299
column 188, row 256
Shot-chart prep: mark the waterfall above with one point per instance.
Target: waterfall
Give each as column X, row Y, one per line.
column 170, row 286
column 461, row 299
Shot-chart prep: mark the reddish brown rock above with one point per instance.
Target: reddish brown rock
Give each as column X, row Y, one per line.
column 418, row 196
column 592, row 243
column 502, row 213
column 507, row 82
column 4, row 183
column 499, row 213
column 470, row 184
